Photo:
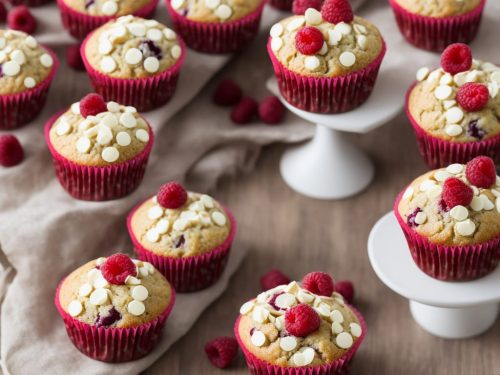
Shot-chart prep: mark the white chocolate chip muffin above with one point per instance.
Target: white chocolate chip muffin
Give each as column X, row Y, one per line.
column 215, row 10
column 114, row 8
column 439, row 9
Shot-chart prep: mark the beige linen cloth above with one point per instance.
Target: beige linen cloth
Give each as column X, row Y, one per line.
column 45, row 234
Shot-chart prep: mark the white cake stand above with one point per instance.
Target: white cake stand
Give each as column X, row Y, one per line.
column 329, row 166
column 451, row 310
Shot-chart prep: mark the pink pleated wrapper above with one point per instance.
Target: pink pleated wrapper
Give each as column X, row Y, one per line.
column 339, row 366
column 439, row 153
column 450, row 263
column 30, row 3
column 79, row 25
column 193, row 273
column 326, row 94
column 281, row 4
column 99, row 183
column 225, row 37
column 19, row 109
column 114, row 344
column 435, row 34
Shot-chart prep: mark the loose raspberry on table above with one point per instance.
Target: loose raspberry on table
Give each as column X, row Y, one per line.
column 74, row 58
column 456, row 58
column 271, row 110
column 11, row 151
column 299, row 7
column 319, row 283
column 456, row 193
column 346, row 289
column 227, row 93
column 117, row 268
column 301, row 320
column 336, row 11
column 3, row 12
column 92, row 104
column 21, row 19
column 473, row 96
column 245, row 111
column 272, row 279
column 222, row 351
column 172, row 195
column 309, row 40
column 481, row 172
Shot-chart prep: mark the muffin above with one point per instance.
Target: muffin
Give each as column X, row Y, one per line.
column 295, row 329
column 115, row 308
column 328, row 61
column 433, row 25
column 187, row 236
column 80, row 17
column 26, row 73
column 134, row 61
column 216, row 26
column 100, row 150
column 455, row 109
column 451, row 220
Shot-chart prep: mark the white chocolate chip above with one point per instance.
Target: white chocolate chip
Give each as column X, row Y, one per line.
column 176, row 52
column 344, row 340
column 75, row 108
column 276, row 44
column 180, row 224
column 131, row 280
column 295, row 23
column 63, row 127
column 454, row 115
column 177, row 4
column 408, row 193
column 212, row 4
column 152, row 235
column 476, row 204
column 169, row 34
column 311, row 63
column 304, row 357
column 113, row 107
column 31, row 42
column 434, row 76
column 427, row 184
column 442, row 175
column 46, row 60
column 324, row 49
column 105, row 47
column 154, row 34
column 224, row 12
column 133, row 56
column 100, row 282
column 18, row 56
column 313, row 17
column 443, row 92
column 356, row 329
column 359, row 29
column 136, row 308
column 276, row 30
column 455, row 168
column 453, row 130
column 247, row 307
column 465, row 228
column 118, row 31
column 207, row 201
column 151, row 64
column 99, row 297
column 334, row 37
column 83, row 145
column 285, row 300
column 305, row 297
column 288, row 343
column 108, row 64
column 497, row 204
column 140, row 293
column 447, row 104
column 142, row 135
column 337, row 328
column 109, row 8
column 347, row 59
column 155, row 212
column 459, row 213
column 75, row 308
column 420, row 218
column 361, row 40
column 260, row 314
column 137, row 29
column 487, row 204
column 123, row 139
column 446, row 79
column 110, row 154
column 258, row 338
column 434, row 191
column 343, row 27
column 85, row 290
column 337, row 316
column 104, row 136
column 422, row 73
column 11, row 68
column 219, row 218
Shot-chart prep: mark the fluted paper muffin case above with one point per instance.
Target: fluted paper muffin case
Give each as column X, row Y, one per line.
column 114, row 344
column 450, row 263
column 282, row 4
column 79, row 25
column 30, row 3
column 20, row 108
column 339, row 366
column 326, row 94
column 217, row 38
column 94, row 183
column 193, row 273
column 435, row 34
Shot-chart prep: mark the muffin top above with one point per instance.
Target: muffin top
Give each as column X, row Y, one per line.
column 116, row 292
column 193, row 225
column 111, row 134
column 439, row 8
column 109, row 8
column 330, row 330
column 132, row 47
column 444, row 103
column 453, row 206
column 23, row 62
column 215, row 10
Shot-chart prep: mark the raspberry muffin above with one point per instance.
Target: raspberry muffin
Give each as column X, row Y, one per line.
column 80, row 17
column 451, row 220
column 433, row 25
column 300, row 328
column 186, row 235
column 26, row 73
column 455, row 109
column 134, row 61
column 328, row 61
column 100, row 150
column 216, row 26
column 115, row 308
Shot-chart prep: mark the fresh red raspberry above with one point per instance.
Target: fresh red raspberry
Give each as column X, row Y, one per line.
column 456, row 58
column 473, row 96
column 21, row 19
column 319, row 283
column 271, row 110
column 346, row 289
column 336, row 11
column 11, row 151
column 481, row 172
column 456, row 193
column 301, row 320
column 227, row 93
column 299, row 7
column 3, row 12
column 272, row 279
column 92, row 104
column 245, row 111
column 222, row 351
column 172, row 195
column 74, row 58
column 309, row 40
column 117, row 268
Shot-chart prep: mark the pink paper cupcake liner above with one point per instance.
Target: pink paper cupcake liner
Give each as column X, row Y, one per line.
column 326, row 94
column 435, row 34
column 114, row 344
column 339, row 366
column 439, row 153
column 30, row 3
column 193, row 273
column 79, row 25
column 225, row 37
column 450, row 263
column 18, row 109
column 282, row 4
column 99, row 183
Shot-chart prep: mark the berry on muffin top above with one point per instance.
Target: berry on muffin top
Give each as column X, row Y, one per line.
column 214, row 11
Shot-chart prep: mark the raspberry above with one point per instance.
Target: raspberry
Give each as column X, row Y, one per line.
column 21, row 19
column 473, row 96
column 299, row 7
column 346, row 289
column 301, row 320
column 481, row 172
column 271, row 110
column 117, row 268
column 227, row 93
column 3, row 12
column 456, row 58
column 73, row 57
column 456, row 193
column 245, row 111
column 222, row 351
column 11, row 151
column 92, row 105
column 336, row 11
column 319, row 283
column 272, row 279
column 172, row 195
column 309, row 40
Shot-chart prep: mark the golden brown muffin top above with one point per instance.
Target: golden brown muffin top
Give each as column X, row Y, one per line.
column 439, row 8
column 215, row 11
column 110, row 8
